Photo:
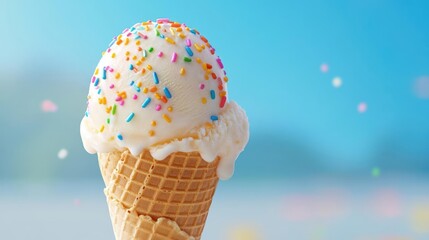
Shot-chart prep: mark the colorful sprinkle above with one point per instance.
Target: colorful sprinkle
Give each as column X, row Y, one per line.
column 182, row 71
column 212, row 94
column 174, row 57
column 104, row 73
column 169, row 40
column 151, row 133
column 219, row 62
column 151, row 49
column 120, row 137
column 153, row 123
column 146, row 102
column 160, row 54
column 202, row 86
column 158, row 107
column 131, row 67
column 170, row 108
column 188, row 42
column 222, row 102
column 155, row 78
column 167, row 92
column 114, row 109
column 186, row 59
column 203, row 100
column 214, row 118
column 189, row 51
column 166, row 118
column 130, row 117
column 96, row 82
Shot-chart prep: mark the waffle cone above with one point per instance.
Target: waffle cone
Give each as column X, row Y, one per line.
column 177, row 190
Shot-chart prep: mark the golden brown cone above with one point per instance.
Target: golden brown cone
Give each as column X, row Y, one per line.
column 179, row 188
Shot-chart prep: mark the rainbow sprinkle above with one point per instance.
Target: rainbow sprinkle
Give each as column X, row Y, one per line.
column 167, row 92
column 130, row 117
column 155, row 78
column 146, row 102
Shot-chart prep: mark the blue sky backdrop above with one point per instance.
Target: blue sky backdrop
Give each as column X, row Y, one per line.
column 272, row 51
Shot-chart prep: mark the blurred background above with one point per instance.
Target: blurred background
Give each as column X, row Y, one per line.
column 339, row 145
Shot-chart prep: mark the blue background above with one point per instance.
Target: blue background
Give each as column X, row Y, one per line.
column 301, row 126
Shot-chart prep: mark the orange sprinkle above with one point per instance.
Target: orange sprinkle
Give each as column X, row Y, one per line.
column 204, row 100
column 164, row 99
column 181, row 35
column 175, row 25
column 118, row 42
column 153, row 89
column 225, row 79
column 220, row 87
column 140, row 49
column 102, row 128
column 151, row 133
column 149, row 67
column 166, row 118
column 137, row 42
column 157, row 96
column 117, row 75
column 145, row 90
column 102, row 100
column 142, row 59
column 199, row 60
column 179, row 29
column 206, row 76
column 170, row 108
column 108, row 109
column 127, row 53
column 204, row 39
column 209, row 66
column 153, row 123
column 143, row 71
column 138, row 63
column 134, row 57
column 222, row 93
column 128, row 58
column 123, row 94
column 182, row 71
column 214, row 75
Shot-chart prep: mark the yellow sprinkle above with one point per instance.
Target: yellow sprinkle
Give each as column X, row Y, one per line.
column 159, row 27
column 102, row 100
column 134, row 57
column 206, row 76
column 151, row 133
column 170, row 108
column 199, row 49
column 113, row 55
column 96, row 71
column 142, row 59
column 102, row 53
column 127, row 53
column 153, row 123
column 119, row 36
column 170, row 40
column 138, row 42
column 182, row 71
column 118, row 75
column 145, row 90
column 102, row 128
column 204, row 67
column 204, row 100
column 157, row 96
column 181, row 35
column 204, row 47
column 149, row 67
column 139, row 84
column 127, row 40
column 222, row 93
column 138, row 63
column 179, row 29
column 147, row 28
column 225, row 79
column 209, row 125
column 199, row 60
column 172, row 31
column 166, row 118
column 111, row 138
column 187, row 29
column 108, row 109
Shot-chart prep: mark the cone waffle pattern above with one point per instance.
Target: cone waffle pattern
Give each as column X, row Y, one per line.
column 179, row 188
column 129, row 225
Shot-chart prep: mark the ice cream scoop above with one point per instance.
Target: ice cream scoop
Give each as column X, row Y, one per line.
column 161, row 87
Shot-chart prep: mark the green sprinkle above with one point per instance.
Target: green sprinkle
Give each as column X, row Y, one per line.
column 186, row 59
column 114, row 109
column 108, row 121
column 151, row 49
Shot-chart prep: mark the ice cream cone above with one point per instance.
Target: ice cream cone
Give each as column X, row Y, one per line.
column 143, row 191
